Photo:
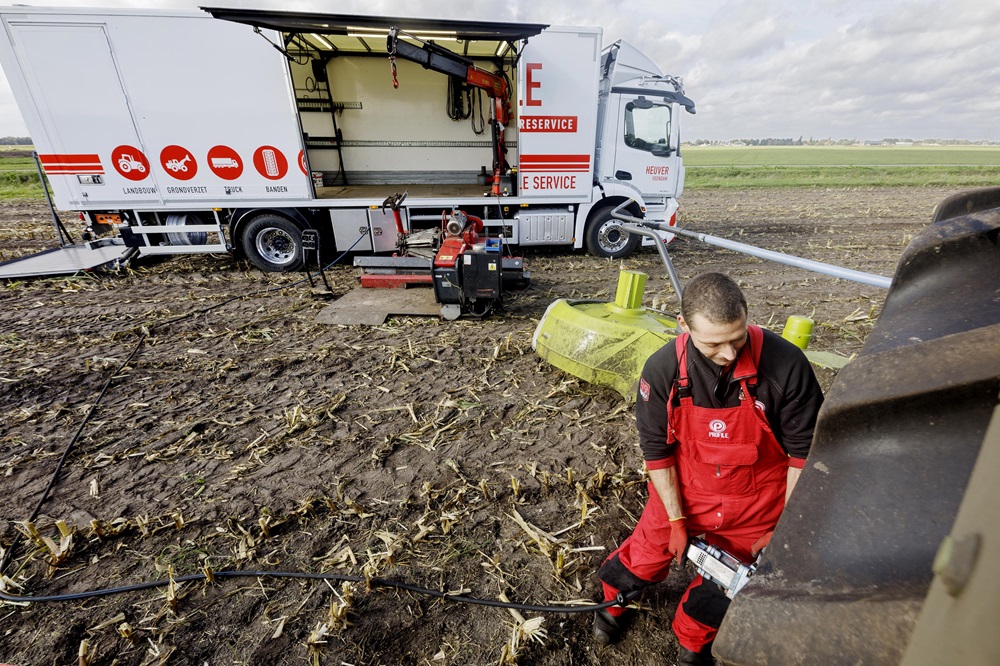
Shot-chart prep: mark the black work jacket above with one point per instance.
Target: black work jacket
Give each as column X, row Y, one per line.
column 786, row 386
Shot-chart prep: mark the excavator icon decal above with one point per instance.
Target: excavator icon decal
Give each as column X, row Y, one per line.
column 178, row 165
column 179, row 162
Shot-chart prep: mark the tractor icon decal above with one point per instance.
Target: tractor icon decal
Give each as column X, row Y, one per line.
column 130, row 162
column 126, row 163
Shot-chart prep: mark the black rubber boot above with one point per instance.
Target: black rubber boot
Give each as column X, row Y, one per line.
column 686, row 657
column 608, row 628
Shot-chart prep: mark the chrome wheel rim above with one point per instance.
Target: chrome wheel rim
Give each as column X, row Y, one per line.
column 611, row 237
column 276, row 246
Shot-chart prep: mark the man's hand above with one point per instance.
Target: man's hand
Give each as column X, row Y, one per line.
column 793, row 478
column 678, row 542
column 761, row 543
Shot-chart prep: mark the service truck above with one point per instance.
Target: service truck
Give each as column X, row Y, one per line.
column 237, row 130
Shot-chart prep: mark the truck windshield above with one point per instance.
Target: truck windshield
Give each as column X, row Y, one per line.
column 646, row 127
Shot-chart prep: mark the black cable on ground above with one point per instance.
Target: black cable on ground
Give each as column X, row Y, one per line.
column 621, row 600
column 144, row 333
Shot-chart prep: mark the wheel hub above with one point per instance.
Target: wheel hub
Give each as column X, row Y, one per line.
column 612, row 237
column 276, row 245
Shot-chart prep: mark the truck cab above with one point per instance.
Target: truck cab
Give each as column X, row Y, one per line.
column 638, row 142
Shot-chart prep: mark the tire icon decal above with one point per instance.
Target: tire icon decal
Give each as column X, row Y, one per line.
column 270, row 162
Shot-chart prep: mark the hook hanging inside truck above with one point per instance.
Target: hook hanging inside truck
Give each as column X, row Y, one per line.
column 433, row 57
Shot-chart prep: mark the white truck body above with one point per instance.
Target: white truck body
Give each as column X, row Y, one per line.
column 151, row 119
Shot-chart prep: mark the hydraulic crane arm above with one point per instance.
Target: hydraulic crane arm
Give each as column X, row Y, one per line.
column 433, row 57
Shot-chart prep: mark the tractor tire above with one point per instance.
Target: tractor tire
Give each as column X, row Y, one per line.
column 273, row 244
column 604, row 236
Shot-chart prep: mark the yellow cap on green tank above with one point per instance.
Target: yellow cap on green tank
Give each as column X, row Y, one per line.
column 798, row 331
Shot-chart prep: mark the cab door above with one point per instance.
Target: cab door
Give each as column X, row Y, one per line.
column 646, row 148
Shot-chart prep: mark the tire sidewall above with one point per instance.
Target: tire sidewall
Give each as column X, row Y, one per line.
column 259, row 225
column 599, row 219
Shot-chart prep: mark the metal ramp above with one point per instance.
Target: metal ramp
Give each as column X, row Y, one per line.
column 68, row 259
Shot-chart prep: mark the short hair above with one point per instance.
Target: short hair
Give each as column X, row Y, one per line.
column 714, row 296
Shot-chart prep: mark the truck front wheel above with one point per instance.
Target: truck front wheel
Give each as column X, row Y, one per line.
column 273, row 244
column 604, row 236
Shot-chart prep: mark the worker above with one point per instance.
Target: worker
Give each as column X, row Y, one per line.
column 725, row 414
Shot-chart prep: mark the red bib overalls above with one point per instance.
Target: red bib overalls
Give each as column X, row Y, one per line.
column 732, row 474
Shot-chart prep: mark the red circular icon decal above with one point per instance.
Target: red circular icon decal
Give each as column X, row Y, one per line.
column 130, row 162
column 179, row 162
column 302, row 162
column 225, row 163
column 270, row 162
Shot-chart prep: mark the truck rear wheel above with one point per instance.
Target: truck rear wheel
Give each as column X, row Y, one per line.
column 604, row 236
column 273, row 244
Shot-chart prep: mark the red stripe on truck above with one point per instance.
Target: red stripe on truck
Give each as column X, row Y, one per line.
column 554, row 158
column 559, row 163
column 71, row 163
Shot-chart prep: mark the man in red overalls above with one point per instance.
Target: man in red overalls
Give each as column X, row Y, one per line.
column 725, row 415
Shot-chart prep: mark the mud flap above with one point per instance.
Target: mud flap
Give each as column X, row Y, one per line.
column 848, row 569
column 67, row 260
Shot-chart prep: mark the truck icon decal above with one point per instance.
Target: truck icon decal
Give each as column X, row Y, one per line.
column 225, row 162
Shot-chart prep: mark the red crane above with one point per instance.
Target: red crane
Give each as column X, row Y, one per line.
column 433, row 57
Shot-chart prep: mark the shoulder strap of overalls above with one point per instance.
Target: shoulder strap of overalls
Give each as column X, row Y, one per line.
column 680, row 386
column 746, row 364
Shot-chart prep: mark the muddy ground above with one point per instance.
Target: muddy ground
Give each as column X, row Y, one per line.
column 442, row 454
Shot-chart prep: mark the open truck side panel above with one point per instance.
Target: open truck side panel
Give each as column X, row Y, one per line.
column 248, row 127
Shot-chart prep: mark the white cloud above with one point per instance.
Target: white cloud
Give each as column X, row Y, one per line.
column 757, row 68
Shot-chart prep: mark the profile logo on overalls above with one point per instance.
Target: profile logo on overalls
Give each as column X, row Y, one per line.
column 717, row 428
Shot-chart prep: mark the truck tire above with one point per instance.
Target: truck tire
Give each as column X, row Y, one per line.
column 273, row 244
column 604, row 237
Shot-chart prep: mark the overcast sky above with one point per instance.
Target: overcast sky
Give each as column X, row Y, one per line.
column 841, row 69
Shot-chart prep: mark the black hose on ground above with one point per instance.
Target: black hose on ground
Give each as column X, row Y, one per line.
column 620, row 600
column 143, row 334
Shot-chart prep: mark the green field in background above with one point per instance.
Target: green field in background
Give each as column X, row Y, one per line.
column 717, row 167
column 733, row 167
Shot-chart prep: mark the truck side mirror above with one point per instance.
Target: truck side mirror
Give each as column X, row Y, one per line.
column 641, row 103
column 661, row 149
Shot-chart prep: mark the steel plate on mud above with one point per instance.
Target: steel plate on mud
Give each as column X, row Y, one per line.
column 371, row 307
column 63, row 260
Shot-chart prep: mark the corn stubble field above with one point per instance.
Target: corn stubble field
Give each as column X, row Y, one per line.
column 441, row 454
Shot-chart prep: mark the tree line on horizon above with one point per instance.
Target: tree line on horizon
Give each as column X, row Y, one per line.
column 840, row 142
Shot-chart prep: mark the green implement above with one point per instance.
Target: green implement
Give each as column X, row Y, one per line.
column 604, row 343
column 608, row 343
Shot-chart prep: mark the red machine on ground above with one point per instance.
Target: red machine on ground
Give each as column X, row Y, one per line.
column 467, row 269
